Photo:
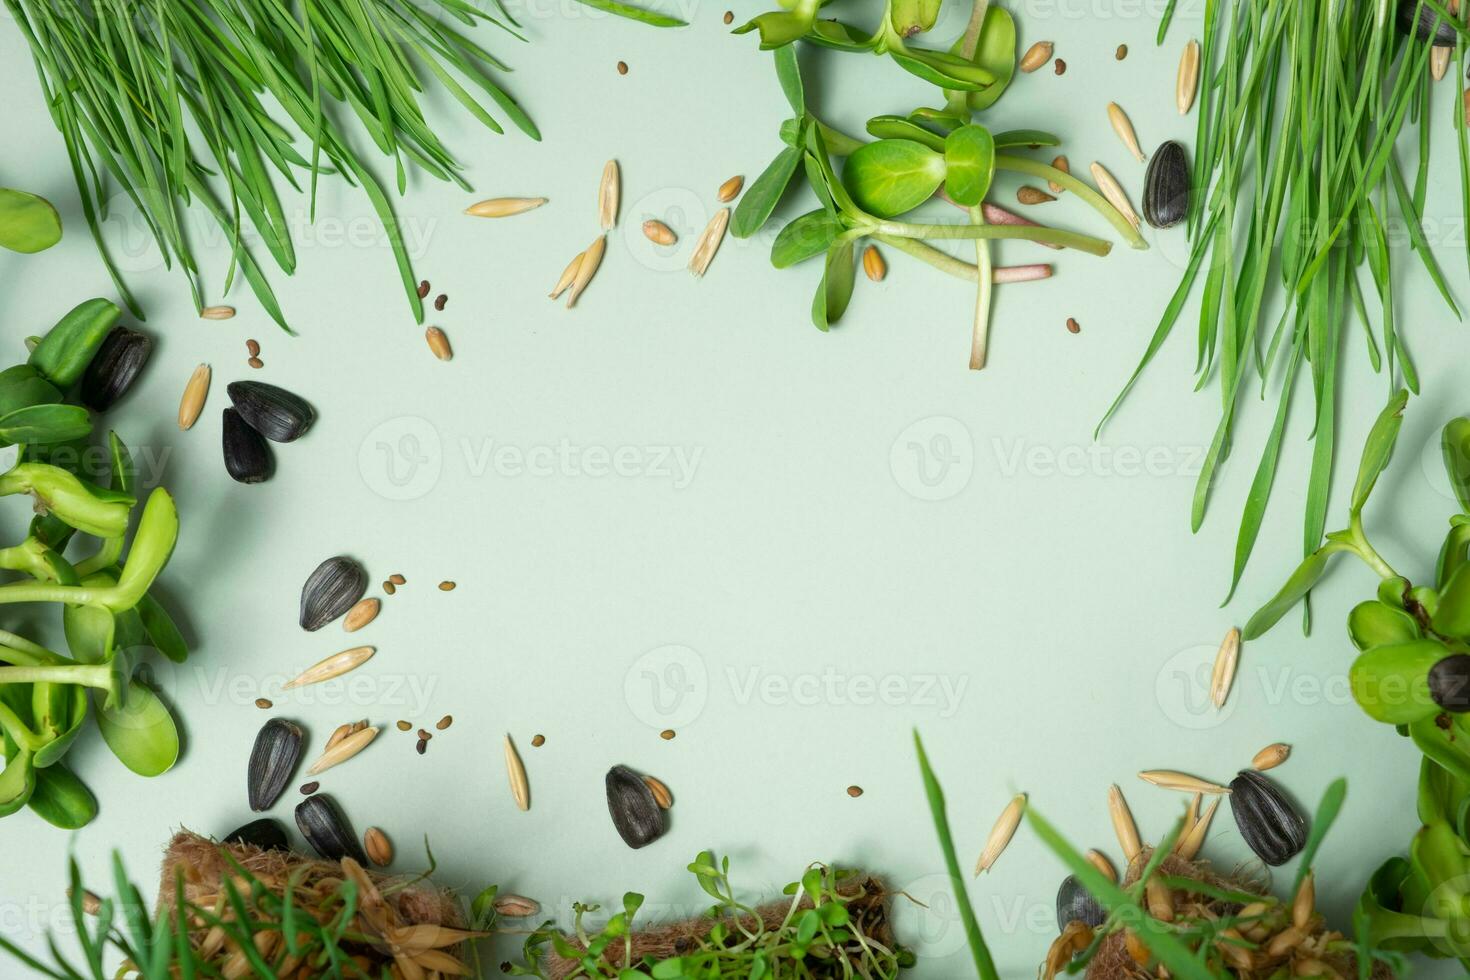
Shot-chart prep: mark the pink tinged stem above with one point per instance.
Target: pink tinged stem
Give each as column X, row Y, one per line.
column 997, row 215
column 1020, row 273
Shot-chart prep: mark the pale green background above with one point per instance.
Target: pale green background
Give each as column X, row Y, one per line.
column 1058, row 582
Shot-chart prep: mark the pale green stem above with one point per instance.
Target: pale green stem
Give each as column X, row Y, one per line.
column 942, row 261
column 839, row 144
column 99, row 676
column 29, row 658
column 1367, row 552
column 48, row 592
column 19, row 732
column 1048, row 236
column 1081, row 189
column 980, row 336
column 105, row 558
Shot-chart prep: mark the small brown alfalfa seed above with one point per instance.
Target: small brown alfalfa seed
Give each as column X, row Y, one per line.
column 422, row 746
column 730, row 189
column 397, row 579
column 1027, row 194
column 361, row 614
column 667, row 734
column 1121, row 53
column 1059, row 162
column 264, row 704
column 306, row 789
column 379, row 849
column 425, row 734
column 252, row 347
column 729, row 17
column 1073, row 326
column 444, row 722
column 1036, row 56
column 404, row 726
column 1271, row 756
column 389, row 588
column 538, row 740
column 423, row 288
column 256, row 363
column 1059, row 66
column 438, row 343
column 854, row 791
column 873, row 265
column 192, row 403
column 440, row 300
column 446, row 586
column 661, row 794
column 622, row 68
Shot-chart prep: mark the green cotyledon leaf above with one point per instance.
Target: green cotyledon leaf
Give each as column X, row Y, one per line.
column 28, row 222
column 1391, row 683
column 1374, row 624
column 889, row 177
column 969, row 158
column 1455, row 449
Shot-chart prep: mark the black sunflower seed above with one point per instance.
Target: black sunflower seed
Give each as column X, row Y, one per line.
column 321, row 822
column 1268, row 821
column 272, row 761
column 1166, row 186
column 635, row 813
column 1076, row 904
column 114, row 367
column 1449, row 683
column 277, row 414
column 265, row 833
column 335, row 587
column 1426, row 25
column 248, row 458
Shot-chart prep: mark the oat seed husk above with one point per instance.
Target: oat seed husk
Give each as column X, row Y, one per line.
column 586, row 269
column 609, row 190
column 709, row 242
column 520, row 786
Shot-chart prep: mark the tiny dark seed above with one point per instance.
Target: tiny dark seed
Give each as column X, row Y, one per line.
column 729, row 16
column 854, row 791
column 1073, row 326
column 423, row 288
column 622, row 68
column 439, row 301
column 666, row 734
column 446, row 586
column 404, row 726
column 389, row 588
column 256, row 363
column 445, row 722
column 1121, row 53
column 308, row 788
column 253, row 346
column 423, row 746
column 397, row 579
column 263, row 703
column 424, row 736
column 1059, row 66
column 538, row 740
